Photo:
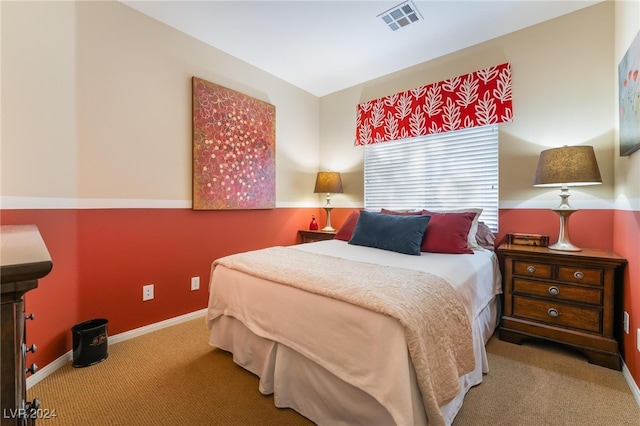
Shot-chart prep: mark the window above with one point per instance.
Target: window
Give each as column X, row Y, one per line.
column 437, row 172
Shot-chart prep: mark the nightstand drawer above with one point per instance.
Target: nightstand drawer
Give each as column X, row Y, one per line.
column 530, row 269
column 553, row 291
column 580, row 275
column 579, row 318
column 313, row 236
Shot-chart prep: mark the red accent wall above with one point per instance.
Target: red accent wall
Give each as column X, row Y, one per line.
column 587, row 228
column 103, row 257
column 626, row 235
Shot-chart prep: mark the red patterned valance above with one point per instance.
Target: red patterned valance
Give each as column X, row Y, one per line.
column 476, row 99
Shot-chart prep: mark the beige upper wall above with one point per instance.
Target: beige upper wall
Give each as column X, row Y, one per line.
column 96, row 102
column 627, row 169
column 562, row 94
column 38, row 146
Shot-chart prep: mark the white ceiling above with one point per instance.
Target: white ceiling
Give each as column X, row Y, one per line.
column 326, row 46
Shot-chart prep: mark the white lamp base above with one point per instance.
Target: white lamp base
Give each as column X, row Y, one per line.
column 563, row 238
column 328, row 228
column 564, row 210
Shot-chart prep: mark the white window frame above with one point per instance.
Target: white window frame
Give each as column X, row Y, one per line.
column 441, row 171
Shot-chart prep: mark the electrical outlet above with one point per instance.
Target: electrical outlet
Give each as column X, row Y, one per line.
column 195, row 283
column 147, row 292
column 638, row 334
column 625, row 322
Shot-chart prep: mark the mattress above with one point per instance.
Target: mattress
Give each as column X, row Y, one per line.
column 337, row 363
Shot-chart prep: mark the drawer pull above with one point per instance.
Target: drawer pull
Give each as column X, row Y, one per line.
column 578, row 275
column 33, row 406
column 531, row 269
column 554, row 291
column 32, row 369
column 553, row 313
column 33, row 348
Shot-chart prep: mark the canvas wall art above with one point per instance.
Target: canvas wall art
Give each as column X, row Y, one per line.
column 234, row 147
column 629, row 93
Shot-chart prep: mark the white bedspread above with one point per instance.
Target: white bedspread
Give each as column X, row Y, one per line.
column 370, row 351
column 475, row 277
column 437, row 327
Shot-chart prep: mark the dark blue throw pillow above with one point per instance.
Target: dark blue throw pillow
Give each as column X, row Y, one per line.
column 402, row 234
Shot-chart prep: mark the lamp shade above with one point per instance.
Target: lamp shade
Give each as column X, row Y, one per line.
column 568, row 165
column 328, row 182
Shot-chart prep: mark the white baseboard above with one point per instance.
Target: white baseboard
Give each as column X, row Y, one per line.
column 66, row 358
column 49, row 369
column 156, row 326
column 632, row 383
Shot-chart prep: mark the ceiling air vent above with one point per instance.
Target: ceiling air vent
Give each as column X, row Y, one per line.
column 401, row 15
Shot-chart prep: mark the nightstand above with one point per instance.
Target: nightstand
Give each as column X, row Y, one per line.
column 564, row 297
column 312, row 236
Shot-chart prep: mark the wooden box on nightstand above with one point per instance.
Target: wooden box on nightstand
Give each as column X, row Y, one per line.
column 313, row 236
column 561, row 296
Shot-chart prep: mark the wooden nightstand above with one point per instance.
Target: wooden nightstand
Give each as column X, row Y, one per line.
column 312, row 236
column 564, row 297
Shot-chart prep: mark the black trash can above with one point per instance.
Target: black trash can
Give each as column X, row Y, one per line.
column 89, row 342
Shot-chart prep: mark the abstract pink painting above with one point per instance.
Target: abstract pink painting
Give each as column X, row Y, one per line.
column 234, row 147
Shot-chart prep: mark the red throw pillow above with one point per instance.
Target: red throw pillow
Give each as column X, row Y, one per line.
column 346, row 230
column 447, row 233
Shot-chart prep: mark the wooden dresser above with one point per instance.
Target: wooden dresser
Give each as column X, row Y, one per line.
column 565, row 297
column 312, row 236
column 24, row 259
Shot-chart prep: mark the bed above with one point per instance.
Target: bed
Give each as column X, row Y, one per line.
column 336, row 361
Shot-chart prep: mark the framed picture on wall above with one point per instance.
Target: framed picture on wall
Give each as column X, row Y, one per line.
column 629, row 93
column 234, row 149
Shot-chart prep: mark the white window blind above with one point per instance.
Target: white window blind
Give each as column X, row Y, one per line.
column 438, row 172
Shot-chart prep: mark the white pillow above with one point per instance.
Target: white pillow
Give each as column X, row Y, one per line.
column 471, row 237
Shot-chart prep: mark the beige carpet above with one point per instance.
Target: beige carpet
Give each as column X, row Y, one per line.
column 172, row 377
column 545, row 384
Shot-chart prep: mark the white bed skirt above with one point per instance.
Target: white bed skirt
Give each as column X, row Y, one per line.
column 306, row 387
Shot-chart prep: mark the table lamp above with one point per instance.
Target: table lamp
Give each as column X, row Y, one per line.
column 564, row 167
column 329, row 183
